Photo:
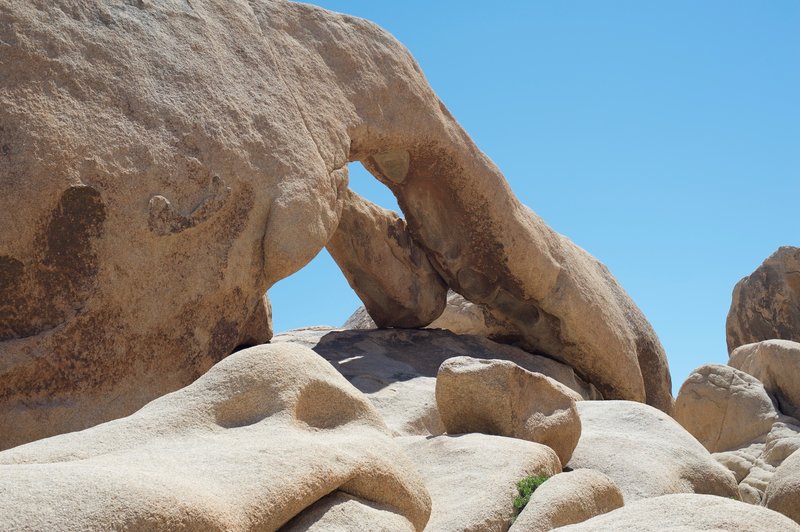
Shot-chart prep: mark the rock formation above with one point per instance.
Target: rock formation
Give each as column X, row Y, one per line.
column 165, row 163
column 263, row 435
column 776, row 363
column 499, row 397
column 766, row 303
column 568, row 498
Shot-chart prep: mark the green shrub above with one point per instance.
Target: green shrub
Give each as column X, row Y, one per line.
column 526, row 487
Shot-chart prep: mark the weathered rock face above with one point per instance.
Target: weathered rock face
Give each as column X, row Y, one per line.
column 724, row 408
column 397, row 368
column 499, row 397
column 766, row 304
column 646, row 453
column 783, row 492
column 472, row 477
column 688, row 512
column 776, row 363
column 340, row 512
column 263, row 435
column 163, row 164
column 387, row 269
column 568, row 498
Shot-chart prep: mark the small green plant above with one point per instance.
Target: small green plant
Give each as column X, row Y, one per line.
column 526, row 487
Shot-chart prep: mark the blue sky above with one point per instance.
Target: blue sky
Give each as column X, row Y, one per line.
column 663, row 137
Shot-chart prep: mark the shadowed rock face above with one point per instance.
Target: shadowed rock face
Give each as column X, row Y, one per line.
column 766, row 303
column 205, row 146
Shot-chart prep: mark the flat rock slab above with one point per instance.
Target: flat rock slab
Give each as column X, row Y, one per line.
column 646, row 452
column 472, row 477
column 397, row 368
column 686, row 513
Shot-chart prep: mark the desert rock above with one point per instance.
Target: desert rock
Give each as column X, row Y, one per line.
column 568, row 498
column 646, row 453
column 724, row 408
column 687, row 512
column 783, row 492
column 776, row 363
column 766, row 303
column 387, row 269
column 472, row 477
column 499, row 397
column 263, row 435
column 340, row 512
column 196, row 154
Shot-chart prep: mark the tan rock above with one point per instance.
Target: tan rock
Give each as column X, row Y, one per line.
column 783, row 492
column 195, row 154
column 472, row 477
column 687, row 512
column 387, row 269
column 724, row 408
column 499, row 397
column 258, row 328
column 340, row 512
column 396, row 368
column 459, row 316
column 646, row 453
column 263, row 435
column 766, row 303
column 776, row 363
column 568, row 498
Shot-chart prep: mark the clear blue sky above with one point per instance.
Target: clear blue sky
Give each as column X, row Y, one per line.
column 663, row 137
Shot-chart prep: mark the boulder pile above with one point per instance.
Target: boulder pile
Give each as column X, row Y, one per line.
column 164, row 163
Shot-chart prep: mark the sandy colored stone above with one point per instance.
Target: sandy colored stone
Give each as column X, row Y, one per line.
column 263, row 435
column 459, row 316
column 499, row 397
column 396, row 368
column 783, row 492
column 340, row 512
column 766, row 303
column 568, row 498
column 687, row 512
column 776, row 363
column 385, row 267
column 165, row 163
column 258, row 328
column 646, row 453
column 724, row 408
column 472, row 477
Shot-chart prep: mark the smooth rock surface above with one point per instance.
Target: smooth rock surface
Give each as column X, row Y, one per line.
column 380, row 260
column 783, row 492
column 776, row 363
column 472, row 477
column 646, row 453
column 396, row 368
column 263, row 435
column 688, row 512
column 499, row 397
column 340, row 512
column 195, row 154
column 766, row 303
column 568, row 498
column 724, row 408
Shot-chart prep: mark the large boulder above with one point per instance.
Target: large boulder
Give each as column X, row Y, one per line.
column 766, row 303
column 340, row 512
column 776, row 363
column 499, row 397
column 387, row 269
column 165, row 163
column 688, row 512
column 646, row 452
column 724, row 408
column 472, row 477
column 568, row 498
column 783, row 492
column 397, row 368
column 262, row 436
